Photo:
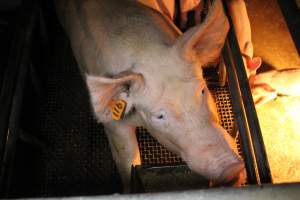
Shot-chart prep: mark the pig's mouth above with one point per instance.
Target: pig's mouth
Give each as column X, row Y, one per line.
column 234, row 175
column 221, row 172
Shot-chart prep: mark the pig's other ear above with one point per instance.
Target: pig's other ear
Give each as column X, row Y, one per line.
column 205, row 41
column 103, row 90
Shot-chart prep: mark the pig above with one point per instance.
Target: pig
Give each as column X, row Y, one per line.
column 127, row 51
column 240, row 20
column 269, row 85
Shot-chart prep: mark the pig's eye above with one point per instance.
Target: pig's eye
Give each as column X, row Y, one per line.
column 159, row 117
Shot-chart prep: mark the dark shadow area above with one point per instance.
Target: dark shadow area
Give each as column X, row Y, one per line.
column 61, row 149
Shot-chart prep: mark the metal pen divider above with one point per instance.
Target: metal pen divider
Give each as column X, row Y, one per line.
column 244, row 108
column 14, row 82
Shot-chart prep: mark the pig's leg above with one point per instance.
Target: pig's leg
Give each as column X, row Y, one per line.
column 241, row 23
column 167, row 7
column 268, row 85
column 238, row 13
column 286, row 82
column 124, row 148
column 190, row 5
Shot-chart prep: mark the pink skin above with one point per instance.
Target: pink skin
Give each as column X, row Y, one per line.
column 262, row 92
column 269, row 85
column 237, row 12
column 192, row 133
column 143, row 59
column 242, row 28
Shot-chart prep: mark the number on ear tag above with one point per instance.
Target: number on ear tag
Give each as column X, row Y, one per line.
column 118, row 108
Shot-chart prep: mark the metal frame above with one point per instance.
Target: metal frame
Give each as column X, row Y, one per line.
column 291, row 14
column 248, row 125
column 12, row 91
column 244, row 109
column 268, row 192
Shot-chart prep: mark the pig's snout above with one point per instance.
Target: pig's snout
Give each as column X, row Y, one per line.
column 224, row 169
column 227, row 170
column 233, row 175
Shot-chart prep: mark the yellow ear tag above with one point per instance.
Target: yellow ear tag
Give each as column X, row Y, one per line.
column 118, row 108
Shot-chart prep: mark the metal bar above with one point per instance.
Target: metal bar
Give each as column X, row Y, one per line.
column 268, row 192
column 251, row 116
column 13, row 133
column 11, row 95
column 240, row 116
column 291, row 13
column 136, row 185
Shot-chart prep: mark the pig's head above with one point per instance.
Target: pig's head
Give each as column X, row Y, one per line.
column 171, row 99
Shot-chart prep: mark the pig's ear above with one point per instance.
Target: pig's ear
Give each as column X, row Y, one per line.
column 103, row 90
column 205, row 41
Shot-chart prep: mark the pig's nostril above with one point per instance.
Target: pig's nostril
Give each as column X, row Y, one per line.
column 233, row 173
column 230, row 175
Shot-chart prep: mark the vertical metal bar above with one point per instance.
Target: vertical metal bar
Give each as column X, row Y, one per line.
column 291, row 14
column 254, row 127
column 240, row 116
column 14, row 86
column 251, row 116
column 13, row 133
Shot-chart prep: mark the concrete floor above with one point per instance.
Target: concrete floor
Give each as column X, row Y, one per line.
column 271, row 38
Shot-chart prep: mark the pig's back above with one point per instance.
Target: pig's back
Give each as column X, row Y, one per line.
column 108, row 35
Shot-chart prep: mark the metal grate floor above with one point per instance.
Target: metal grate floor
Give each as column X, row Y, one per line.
column 74, row 158
column 152, row 153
